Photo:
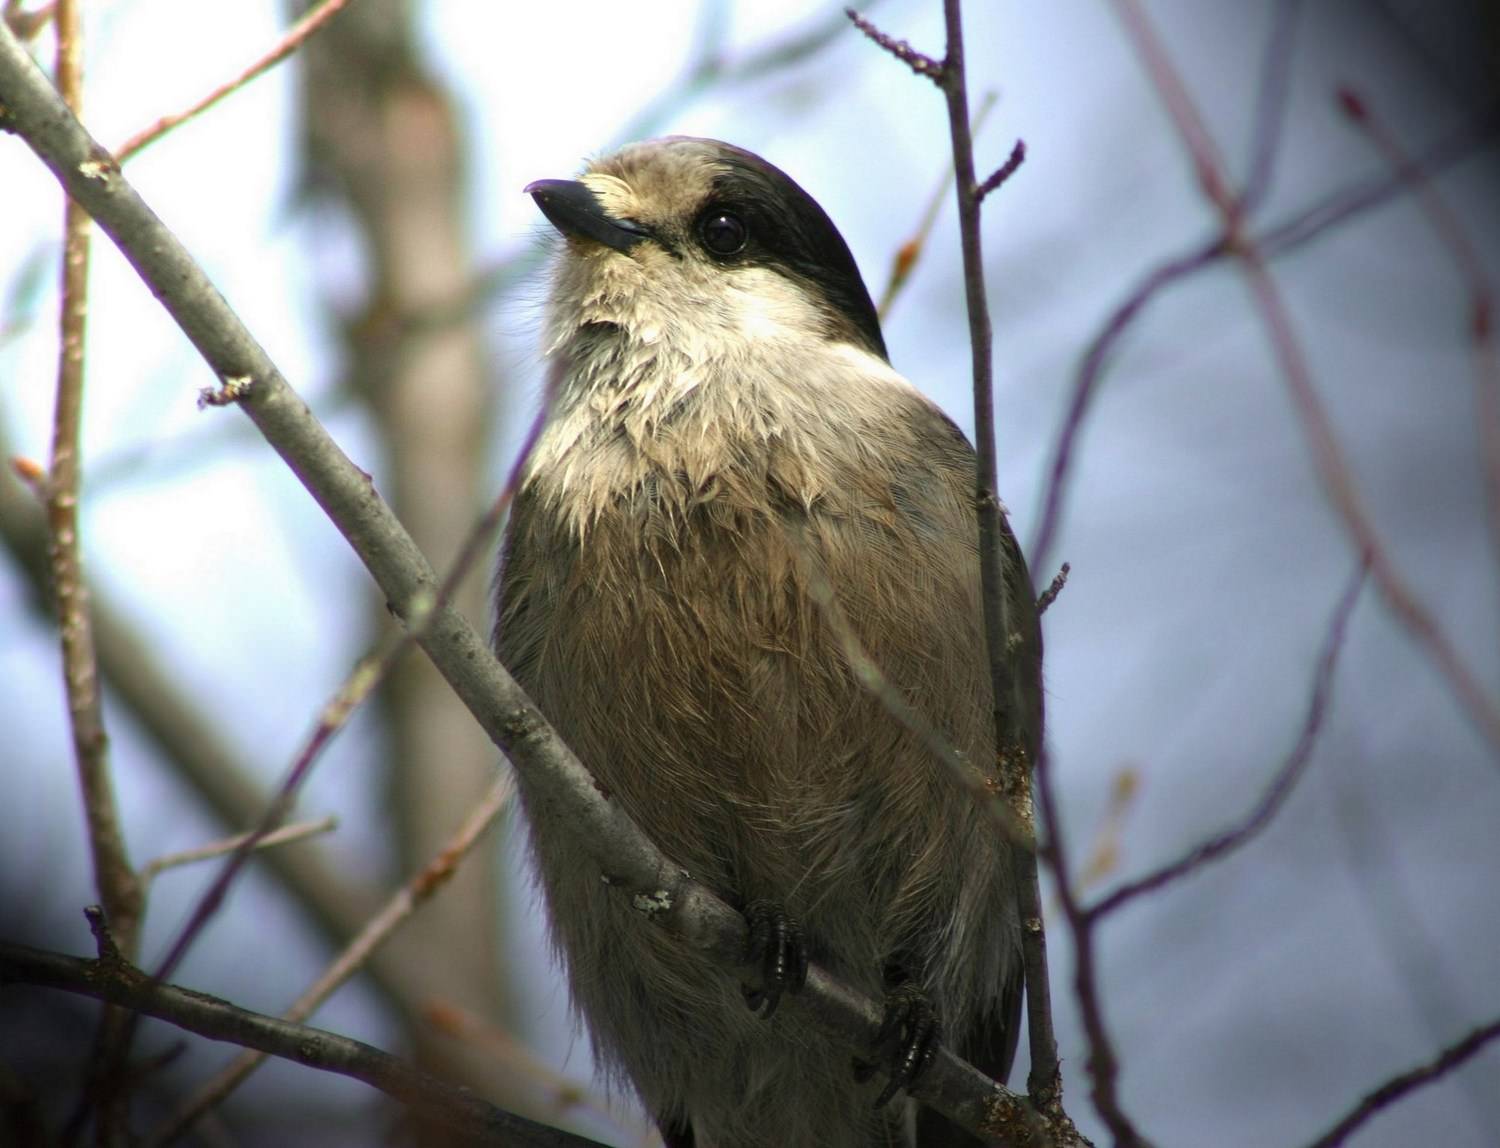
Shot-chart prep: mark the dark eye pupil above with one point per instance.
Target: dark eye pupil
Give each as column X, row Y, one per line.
column 723, row 233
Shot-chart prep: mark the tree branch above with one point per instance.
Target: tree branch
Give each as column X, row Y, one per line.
column 1282, row 784
column 310, row 24
column 1399, row 1086
column 120, row 983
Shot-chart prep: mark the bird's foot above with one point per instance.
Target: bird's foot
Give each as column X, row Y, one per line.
column 906, row 1043
column 777, row 946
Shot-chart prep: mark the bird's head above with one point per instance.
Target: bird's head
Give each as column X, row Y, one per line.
column 702, row 247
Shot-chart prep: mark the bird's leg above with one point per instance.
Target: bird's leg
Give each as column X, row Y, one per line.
column 908, row 1038
column 777, row 945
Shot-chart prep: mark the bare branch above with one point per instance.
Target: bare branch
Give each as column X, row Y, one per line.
column 120, row 983
column 113, row 877
column 310, row 24
column 631, row 863
column 118, row 886
column 283, row 836
column 355, row 956
column 1282, row 783
column 1045, row 1081
column 1399, row 1086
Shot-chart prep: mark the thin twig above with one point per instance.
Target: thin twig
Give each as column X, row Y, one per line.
column 417, row 890
column 119, row 888
column 1282, row 782
column 283, row 836
column 1002, row 173
column 922, row 65
column 1456, row 240
column 1328, row 457
column 119, row 891
column 120, row 983
column 1399, row 1086
column 1339, row 207
column 1045, row 1082
column 311, row 23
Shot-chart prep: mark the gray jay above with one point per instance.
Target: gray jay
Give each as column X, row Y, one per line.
column 725, row 438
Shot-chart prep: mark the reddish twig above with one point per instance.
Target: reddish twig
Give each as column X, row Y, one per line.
column 1456, row 240
column 417, row 890
column 311, row 23
column 1399, row 1086
column 1282, row 783
column 922, row 65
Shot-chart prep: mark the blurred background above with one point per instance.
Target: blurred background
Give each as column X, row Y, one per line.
column 361, row 209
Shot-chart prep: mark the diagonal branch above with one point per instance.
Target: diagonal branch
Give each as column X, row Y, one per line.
column 1399, row 1086
column 114, row 980
column 295, row 36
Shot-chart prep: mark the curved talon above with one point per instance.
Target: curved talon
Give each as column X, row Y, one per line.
column 776, row 944
column 906, row 1043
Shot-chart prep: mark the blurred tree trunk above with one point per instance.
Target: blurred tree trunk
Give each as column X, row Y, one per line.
column 382, row 140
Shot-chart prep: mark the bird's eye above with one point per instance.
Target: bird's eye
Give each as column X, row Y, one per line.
column 723, row 232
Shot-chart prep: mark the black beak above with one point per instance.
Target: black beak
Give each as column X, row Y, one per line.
column 571, row 208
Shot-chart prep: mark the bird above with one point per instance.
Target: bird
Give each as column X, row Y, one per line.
column 733, row 489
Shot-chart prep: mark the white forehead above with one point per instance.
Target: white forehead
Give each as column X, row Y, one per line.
column 657, row 179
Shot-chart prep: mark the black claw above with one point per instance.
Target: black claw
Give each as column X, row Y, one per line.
column 906, row 1043
column 776, row 944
